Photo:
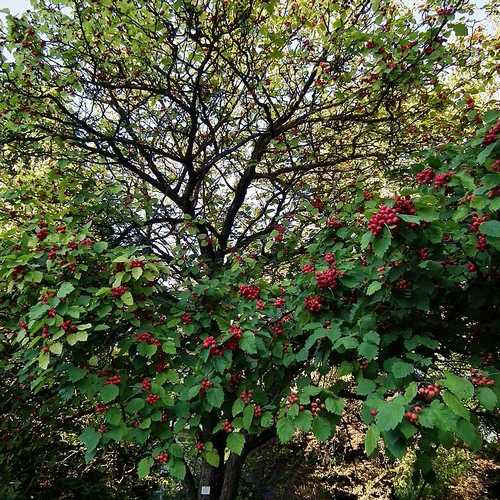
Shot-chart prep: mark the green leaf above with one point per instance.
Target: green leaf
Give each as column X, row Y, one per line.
column 368, row 350
column 215, row 396
column 382, row 243
column 321, row 428
column 460, row 29
column 374, row 286
column 144, row 467
column 304, row 420
column 136, row 272
column 400, row 369
column 75, row 374
column 56, row 348
column 371, row 439
column 79, row 336
column 366, row 239
column 487, row 398
column 238, row 406
column 455, row 405
column 247, row 417
column 462, row 388
column 490, row 228
column 43, row 360
column 390, row 414
column 65, row 289
column 365, row 386
column 177, row 468
column 235, row 442
column 135, row 405
column 127, row 299
column 114, row 416
column 267, row 419
column 335, row 405
column 247, row 343
column 212, row 458
column 285, row 429
column 109, row 393
column 90, row 438
column 469, row 434
column 100, row 246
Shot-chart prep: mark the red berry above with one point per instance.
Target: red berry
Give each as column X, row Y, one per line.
column 373, row 412
column 313, row 303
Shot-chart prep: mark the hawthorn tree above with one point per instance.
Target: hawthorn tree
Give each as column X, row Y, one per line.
column 226, row 301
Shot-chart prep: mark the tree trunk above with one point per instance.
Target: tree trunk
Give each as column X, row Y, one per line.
column 232, row 473
column 223, row 481
column 211, row 479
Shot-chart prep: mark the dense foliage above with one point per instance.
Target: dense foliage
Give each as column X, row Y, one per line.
column 276, row 342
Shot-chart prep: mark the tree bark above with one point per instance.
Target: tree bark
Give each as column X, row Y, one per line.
column 232, row 474
column 212, row 478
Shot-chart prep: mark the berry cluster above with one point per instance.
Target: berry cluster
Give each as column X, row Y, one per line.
column 42, row 233
column 277, row 329
column 257, row 411
column 363, row 364
column 426, row 176
column 249, row 291
column 479, row 379
column 482, row 243
column 87, row 242
column 102, row 428
column 313, row 303
column 146, row 384
column 246, row 396
column 51, row 313
column 326, row 279
column 18, row 272
column 429, row 392
column 137, row 263
column 147, row 338
column 318, row 204
column 260, row 304
column 235, row 331
column 152, row 399
column 72, row 245
column 61, row 229
column 471, row 267
column 491, row 135
column 370, row 44
column 101, row 408
column 45, row 332
column 402, row 284
column 162, row 457
column 317, row 406
column 444, row 11
column 476, row 221
column 118, row 291
column 113, row 380
column 441, row 179
column 209, row 342
column 411, row 416
column 281, row 230
column 333, row 222
column 227, row 426
column 199, row 446
column 404, row 205
column 385, row 215
column 292, row 399
column 186, row 318
column 279, row 302
column 68, row 326
column 205, row 385
column 423, row 253
column 307, row 268
column 494, row 193
column 329, row 258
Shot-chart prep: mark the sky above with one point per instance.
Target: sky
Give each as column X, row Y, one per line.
column 17, row 6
